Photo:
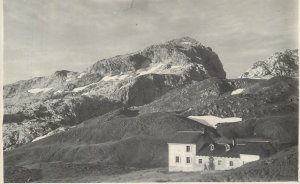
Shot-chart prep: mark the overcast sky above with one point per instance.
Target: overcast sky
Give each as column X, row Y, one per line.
column 42, row 36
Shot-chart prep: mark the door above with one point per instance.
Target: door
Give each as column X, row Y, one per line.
column 211, row 165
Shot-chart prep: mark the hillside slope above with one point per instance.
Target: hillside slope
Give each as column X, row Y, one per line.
column 268, row 108
column 138, row 141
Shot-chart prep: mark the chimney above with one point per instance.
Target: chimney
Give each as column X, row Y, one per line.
column 233, row 142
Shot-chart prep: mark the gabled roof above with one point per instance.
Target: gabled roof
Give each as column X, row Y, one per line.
column 251, row 146
column 248, row 148
column 222, row 140
column 219, row 151
column 187, row 137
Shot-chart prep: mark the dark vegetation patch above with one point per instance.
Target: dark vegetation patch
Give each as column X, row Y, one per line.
column 13, row 118
column 16, row 174
column 276, row 128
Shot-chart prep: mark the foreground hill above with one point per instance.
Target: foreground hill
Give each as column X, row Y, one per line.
column 115, row 140
column 279, row 64
column 40, row 105
column 131, row 141
column 282, row 166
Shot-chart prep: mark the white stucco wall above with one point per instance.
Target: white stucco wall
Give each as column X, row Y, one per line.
column 249, row 158
column 180, row 150
column 224, row 162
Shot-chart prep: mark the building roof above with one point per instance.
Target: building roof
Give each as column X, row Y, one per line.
column 222, row 140
column 248, row 148
column 219, row 151
column 251, row 146
column 186, row 137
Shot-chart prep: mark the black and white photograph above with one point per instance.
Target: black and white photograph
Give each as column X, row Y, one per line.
column 150, row 91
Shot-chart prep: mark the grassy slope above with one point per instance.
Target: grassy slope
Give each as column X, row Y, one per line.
column 282, row 166
column 139, row 141
column 277, row 128
column 269, row 108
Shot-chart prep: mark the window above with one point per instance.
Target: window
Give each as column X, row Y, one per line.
column 188, row 160
column 177, row 159
column 200, row 161
column 212, row 147
column 231, row 163
column 219, row 162
column 188, row 148
column 227, row 147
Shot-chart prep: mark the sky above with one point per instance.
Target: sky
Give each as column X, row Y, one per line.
column 43, row 36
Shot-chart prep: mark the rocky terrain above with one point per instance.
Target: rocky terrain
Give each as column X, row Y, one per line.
column 114, row 119
column 40, row 105
column 279, row 64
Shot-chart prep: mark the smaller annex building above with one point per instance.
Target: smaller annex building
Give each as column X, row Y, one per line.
column 196, row 151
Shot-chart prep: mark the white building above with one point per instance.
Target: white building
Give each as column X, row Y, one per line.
column 196, row 151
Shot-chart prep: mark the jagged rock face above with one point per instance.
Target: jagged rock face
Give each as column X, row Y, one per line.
column 40, row 118
column 280, row 64
column 67, row 98
column 174, row 57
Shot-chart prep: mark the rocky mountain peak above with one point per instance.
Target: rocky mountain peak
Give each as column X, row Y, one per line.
column 61, row 73
column 180, row 53
column 184, row 41
column 134, row 79
column 279, row 64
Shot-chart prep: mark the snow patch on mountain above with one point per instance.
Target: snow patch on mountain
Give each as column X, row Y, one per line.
column 86, row 94
column 83, row 87
column 61, row 129
column 79, row 88
column 212, row 121
column 38, row 90
column 187, row 43
column 81, row 75
column 150, row 69
column 122, row 77
column 176, row 66
column 237, row 91
column 115, row 77
column 57, row 92
column 108, row 78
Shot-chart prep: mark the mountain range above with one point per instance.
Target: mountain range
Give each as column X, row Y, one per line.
column 119, row 113
column 279, row 64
